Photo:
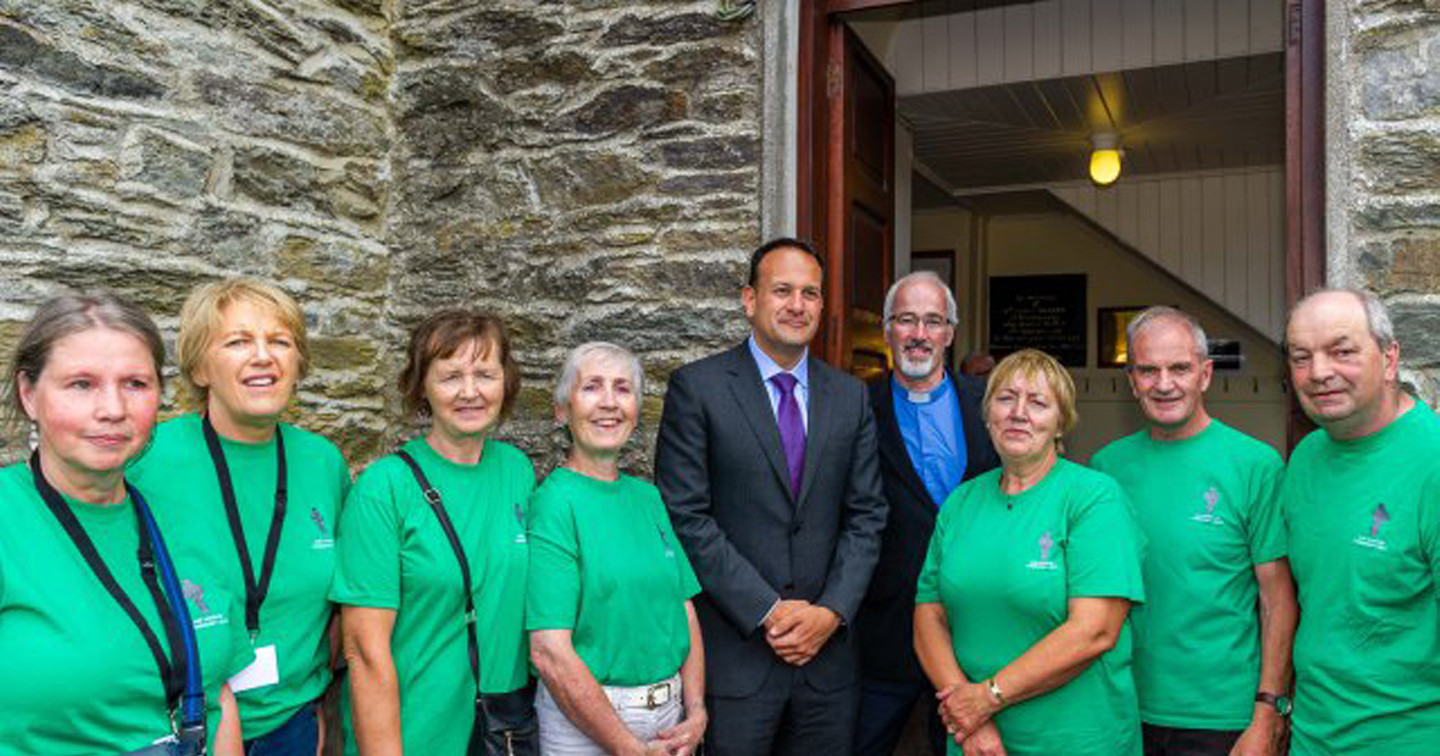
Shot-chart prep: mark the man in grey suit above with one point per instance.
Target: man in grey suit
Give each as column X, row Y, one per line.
column 766, row 461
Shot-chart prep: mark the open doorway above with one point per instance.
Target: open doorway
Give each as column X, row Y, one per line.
column 957, row 134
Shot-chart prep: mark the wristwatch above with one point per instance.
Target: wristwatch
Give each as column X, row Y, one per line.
column 1283, row 705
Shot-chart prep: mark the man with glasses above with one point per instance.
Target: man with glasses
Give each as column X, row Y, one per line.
column 931, row 437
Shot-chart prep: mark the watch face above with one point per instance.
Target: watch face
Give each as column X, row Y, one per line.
column 1283, row 705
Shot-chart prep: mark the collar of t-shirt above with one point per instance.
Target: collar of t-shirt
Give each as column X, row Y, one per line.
column 769, row 368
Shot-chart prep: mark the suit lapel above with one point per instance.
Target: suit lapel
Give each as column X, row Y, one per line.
column 818, row 425
column 891, row 443
column 750, row 394
column 977, row 438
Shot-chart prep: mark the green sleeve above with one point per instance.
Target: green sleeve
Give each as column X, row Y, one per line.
column 1430, row 523
column 1265, row 526
column 342, row 473
column 1104, row 547
column 927, row 591
column 552, row 593
column 367, row 551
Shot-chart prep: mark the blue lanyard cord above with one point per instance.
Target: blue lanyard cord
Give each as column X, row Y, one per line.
column 192, row 702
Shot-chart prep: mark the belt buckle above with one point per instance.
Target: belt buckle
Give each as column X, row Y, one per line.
column 653, row 697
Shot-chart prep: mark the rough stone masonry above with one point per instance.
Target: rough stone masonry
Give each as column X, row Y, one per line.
column 587, row 169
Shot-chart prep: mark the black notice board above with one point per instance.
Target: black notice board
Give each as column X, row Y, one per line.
column 1039, row 312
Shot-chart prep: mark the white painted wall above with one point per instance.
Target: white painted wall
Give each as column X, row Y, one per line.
column 1056, row 38
column 1222, row 232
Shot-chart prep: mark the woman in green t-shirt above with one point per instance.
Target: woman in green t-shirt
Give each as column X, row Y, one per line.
column 1020, row 616
column 416, row 651
column 612, row 630
column 95, row 648
column 255, row 499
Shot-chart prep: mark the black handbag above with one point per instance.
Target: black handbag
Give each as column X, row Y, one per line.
column 505, row 723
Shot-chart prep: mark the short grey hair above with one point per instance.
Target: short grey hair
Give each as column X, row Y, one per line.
column 1160, row 313
column 951, row 310
column 578, row 356
column 1377, row 315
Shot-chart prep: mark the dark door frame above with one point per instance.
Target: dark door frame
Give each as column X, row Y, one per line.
column 1304, row 138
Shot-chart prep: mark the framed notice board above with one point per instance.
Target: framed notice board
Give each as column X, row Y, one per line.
column 1039, row 312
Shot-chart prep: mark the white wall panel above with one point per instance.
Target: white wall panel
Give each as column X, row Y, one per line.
column 1072, row 37
column 1222, row 232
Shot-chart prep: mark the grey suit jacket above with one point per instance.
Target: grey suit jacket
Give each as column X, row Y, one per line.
column 721, row 469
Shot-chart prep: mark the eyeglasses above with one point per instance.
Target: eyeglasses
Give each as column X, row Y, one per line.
column 911, row 321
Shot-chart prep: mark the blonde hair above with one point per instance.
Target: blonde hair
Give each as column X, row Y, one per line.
column 203, row 314
column 1031, row 363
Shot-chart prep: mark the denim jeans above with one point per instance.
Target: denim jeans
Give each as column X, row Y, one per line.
column 299, row 736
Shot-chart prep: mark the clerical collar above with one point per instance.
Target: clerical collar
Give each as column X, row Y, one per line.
column 922, row 397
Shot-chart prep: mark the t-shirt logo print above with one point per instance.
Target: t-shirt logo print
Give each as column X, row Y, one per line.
column 1212, row 499
column 203, row 616
column 1378, row 519
column 1046, row 543
column 324, row 541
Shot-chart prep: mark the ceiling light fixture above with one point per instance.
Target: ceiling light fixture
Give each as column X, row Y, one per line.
column 1105, row 159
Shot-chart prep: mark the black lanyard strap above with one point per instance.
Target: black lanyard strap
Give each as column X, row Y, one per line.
column 255, row 591
column 438, row 507
column 172, row 673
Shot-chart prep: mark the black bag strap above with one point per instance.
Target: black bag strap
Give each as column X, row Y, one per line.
column 173, row 673
column 438, row 507
column 255, row 590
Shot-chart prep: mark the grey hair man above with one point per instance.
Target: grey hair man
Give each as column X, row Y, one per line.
column 931, row 437
column 1362, row 502
column 1212, row 641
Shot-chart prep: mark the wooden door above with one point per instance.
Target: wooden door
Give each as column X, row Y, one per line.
column 860, row 238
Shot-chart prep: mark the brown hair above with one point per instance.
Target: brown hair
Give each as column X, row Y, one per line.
column 70, row 314
column 440, row 336
column 203, row 314
column 1031, row 363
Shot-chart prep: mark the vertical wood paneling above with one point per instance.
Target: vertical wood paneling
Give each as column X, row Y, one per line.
column 1237, row 230
column 1267, row 23
column 1199, row 29
column 990, row 46
column 1169, row 31
column 1106, row 33
column 935, row 45
column 1232, row 18
column 1222, row 233
column 907, row 53
column 1171, row 227
column 1138, row 33
column 1047, row 39
column 1192, row 211
column 1075, row 17
column 1212, row 228
column 1019, row 43
column 1257, row 252
column 963, row 74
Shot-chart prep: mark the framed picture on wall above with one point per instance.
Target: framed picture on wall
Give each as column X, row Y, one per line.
column 1112, row 346
column 941, row 262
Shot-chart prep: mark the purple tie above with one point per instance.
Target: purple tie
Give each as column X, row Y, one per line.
column 792, row 430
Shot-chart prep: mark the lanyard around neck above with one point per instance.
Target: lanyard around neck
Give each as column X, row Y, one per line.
column 172, row 673
column 255, row 590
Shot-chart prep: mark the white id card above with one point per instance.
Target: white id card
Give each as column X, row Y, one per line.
column 265, row 670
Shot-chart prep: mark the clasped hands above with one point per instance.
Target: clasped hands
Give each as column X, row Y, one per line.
column 965, row 710
column 797, row 629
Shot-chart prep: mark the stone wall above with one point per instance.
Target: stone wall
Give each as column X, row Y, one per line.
column 587, row 169
column 1384, row 137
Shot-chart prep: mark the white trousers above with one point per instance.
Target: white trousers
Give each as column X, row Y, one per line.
column 560, row 737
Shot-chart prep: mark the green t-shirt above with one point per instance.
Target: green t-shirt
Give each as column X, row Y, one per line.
column 1207, row 504
column 1004, row 568
column 1364, row 520
column 604, row 563
column 393, row 554
column 78, row 678
column 178, row 479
